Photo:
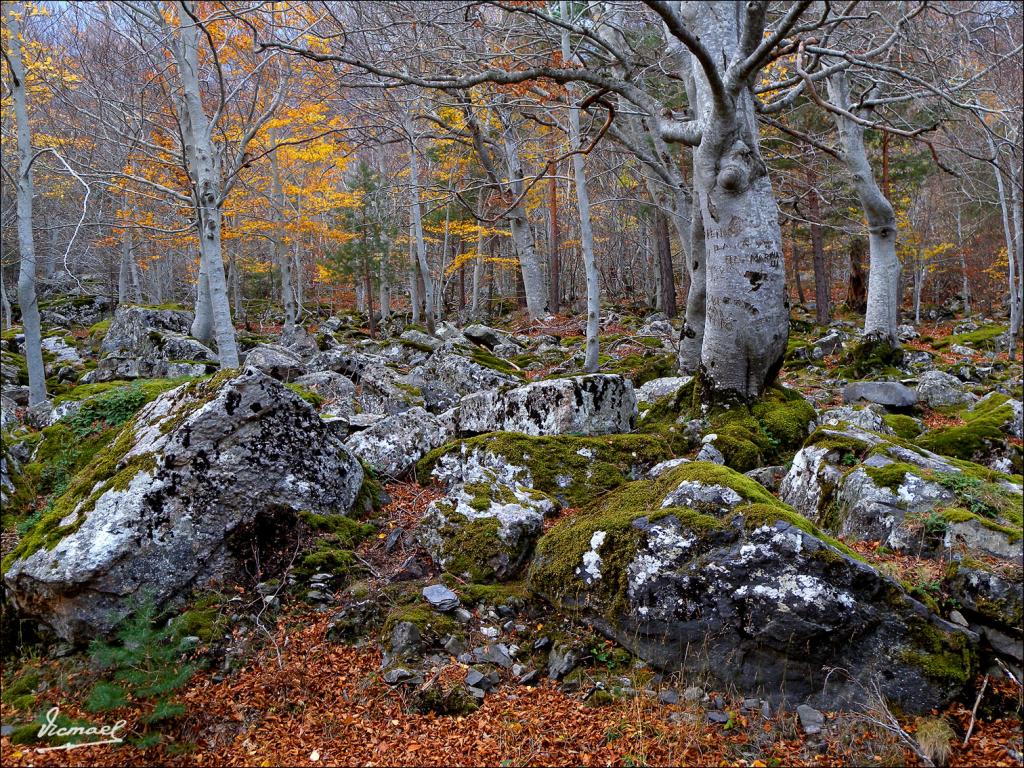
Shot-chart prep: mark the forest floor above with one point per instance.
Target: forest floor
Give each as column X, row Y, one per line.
column 298, row 697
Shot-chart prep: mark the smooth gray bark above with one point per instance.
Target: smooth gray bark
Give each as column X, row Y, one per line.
column 747, row 320
column 28, row 303
column 590, row 362
column 881, row 317
column 281, row 253
column 519, row 224
column 417, row 228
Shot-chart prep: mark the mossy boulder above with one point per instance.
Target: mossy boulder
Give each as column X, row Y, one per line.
column 203, row 477
column 749, row 435
column 703, row 570
column 571, row 469
column 485, row 530
column 982, row 436
column 872, row 487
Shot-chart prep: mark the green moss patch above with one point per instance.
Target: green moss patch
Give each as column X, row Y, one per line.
column 983, row 338
column 871, row 358
column 906, row 427
column 575, row 469
column 106, row 471
column 945, row 657
column 984, row 430
column 643, row 368
column 555, row 572
column 490, row 360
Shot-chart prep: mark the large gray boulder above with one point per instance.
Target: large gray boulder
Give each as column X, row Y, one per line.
column 484, row 529
column 597, row 404
column 738, row 587
column 151, row 343
column 276, row 360
column 337, row 391
column 182, row 497
column 380, row 390
column 463, row 375
column 655, row 389
column 891, row 394
column 860, row 485
column 482, row 334
column 394, row 444
column 938, row 389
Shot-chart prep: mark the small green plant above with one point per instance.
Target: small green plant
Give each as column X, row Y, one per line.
column 108, row 410
column 935, row 524
column 969, row 490
column 145, row 664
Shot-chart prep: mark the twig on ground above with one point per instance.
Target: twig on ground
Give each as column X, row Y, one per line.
column 974, row 710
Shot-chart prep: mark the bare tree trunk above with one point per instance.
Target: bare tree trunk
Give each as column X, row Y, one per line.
column 368, row 293
column 747, row 323
column 414, row 285
column 663, row 269
column 822, row 299
column 125, row 268
column 965, row 284
column 281, row 254
column 205, row 172
column 383, row 282
column 1016, row 259
column 881, row 318
column 5, row 303
column 554, row 265
column 590, row 362
column 796, row 266
column 27, row 301
column 519, row 224
column 478, row 263
column 417, row 226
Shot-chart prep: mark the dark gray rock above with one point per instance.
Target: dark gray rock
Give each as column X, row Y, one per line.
column 188, row 488
column 769, row 477
column 482, row 334
column 891, row 394
column 405, row 640
column 150, row 343
column 493, row 654
column 275, row 360
column 811, row 720
column 397, row 675
column 440, row 597
column 530, row 678
column 763, row 606
column 562, row 660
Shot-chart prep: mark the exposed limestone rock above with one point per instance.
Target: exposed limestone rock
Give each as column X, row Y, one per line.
column 938, row 389
column 275, row 360
column 181, row 497
column 151, row 343
column 655, row 389
column 597, row 404
column 741, row 588
column 463, row 375
column 394, row 444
